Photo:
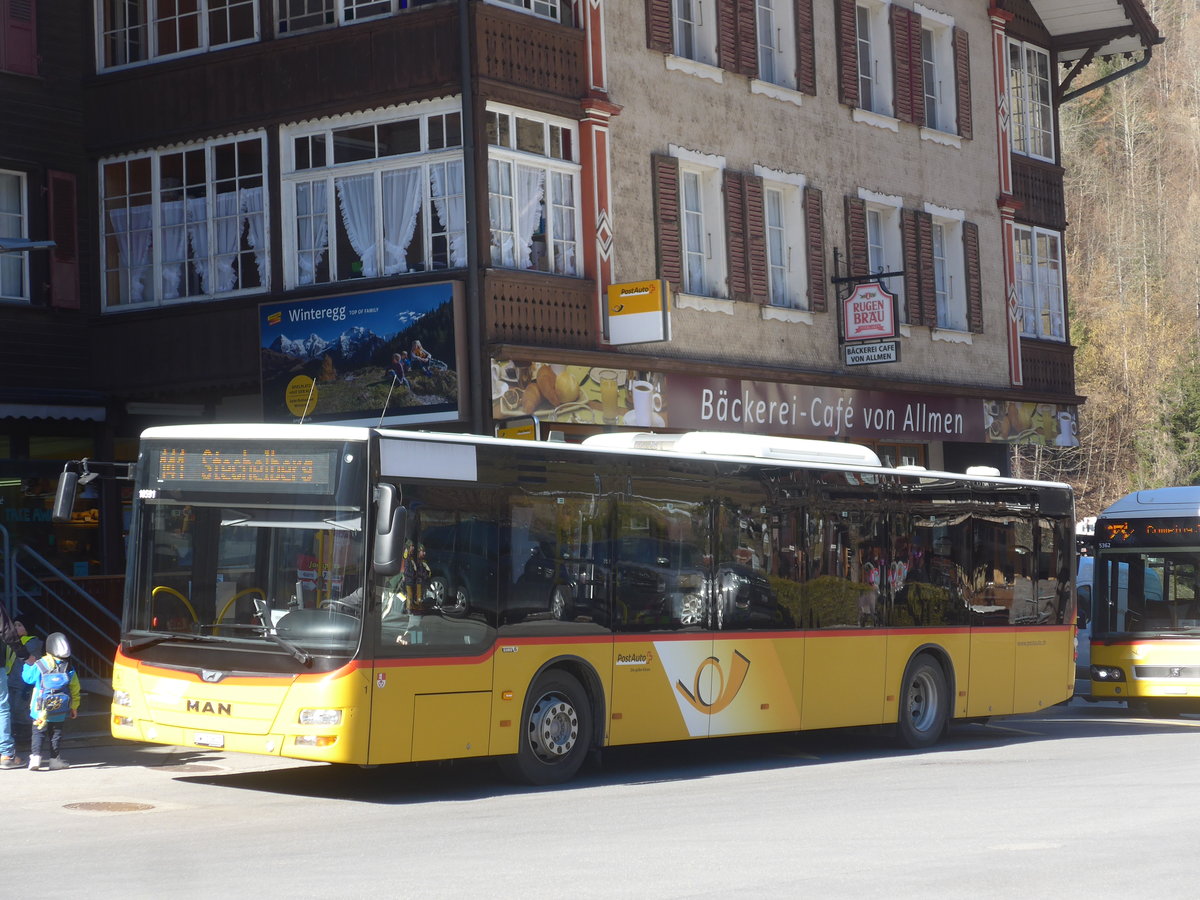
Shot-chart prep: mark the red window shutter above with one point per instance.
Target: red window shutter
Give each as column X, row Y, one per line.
column 735, row 229
column 962, row 83
column 856, row 236
column 18, row 33
column 658, row 26
column 727, row 35
column 64, row 231
column 814, row 226
column 806, row 64
column 665, row 172
column 911, row 240
column 974, row 277
column 928, row 298
column 756, row 241
column 908, row 75
column 847, row 42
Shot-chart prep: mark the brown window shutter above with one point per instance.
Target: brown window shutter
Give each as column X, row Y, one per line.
column 64, row 231
column 756, row 241
column 735, row 228
column 727, row 35
column 856, row 236
column 974, row 277
column 847, row 42
column 806, row 62
column 665, row 172
column 747, row 30
column 814, row 227
column 18, row 36
column 928, row 298
column 908, row 75
column 911, row 240
column 962, row 83
column 658, row 26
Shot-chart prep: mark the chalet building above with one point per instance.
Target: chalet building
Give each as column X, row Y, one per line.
column 834, row 219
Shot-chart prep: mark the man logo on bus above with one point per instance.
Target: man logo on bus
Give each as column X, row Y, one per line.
column 726, row 691
column 1119, row 531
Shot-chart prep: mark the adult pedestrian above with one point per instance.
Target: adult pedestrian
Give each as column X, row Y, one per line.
column 12, row 637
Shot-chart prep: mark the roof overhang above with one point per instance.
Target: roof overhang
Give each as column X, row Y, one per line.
column 1082, row 31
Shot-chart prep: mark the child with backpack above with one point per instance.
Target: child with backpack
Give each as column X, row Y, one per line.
column 55, row 697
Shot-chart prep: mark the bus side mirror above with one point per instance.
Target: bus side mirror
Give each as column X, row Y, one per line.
column 391, row 526
column 64, row 496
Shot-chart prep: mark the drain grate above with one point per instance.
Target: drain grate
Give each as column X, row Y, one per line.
column 109, row 806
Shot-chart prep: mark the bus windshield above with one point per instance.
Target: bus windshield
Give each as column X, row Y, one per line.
column 1148, row 592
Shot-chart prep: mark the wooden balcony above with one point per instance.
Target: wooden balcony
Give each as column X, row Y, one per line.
column 1048, row 367
column 1039, row 187
column 543, row 310
column 522, row 51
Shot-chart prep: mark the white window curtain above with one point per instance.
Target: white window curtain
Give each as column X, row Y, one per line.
column 563, row 224
column 252, row 206
column 131, row 227
column 402, row 195
column 531, row 187
column 197, row 229
column 312, row 229
column 174, row 247
column 449, row 198
column 229, row 237
column 356, row 196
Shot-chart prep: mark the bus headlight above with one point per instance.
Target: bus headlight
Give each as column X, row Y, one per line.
column 1107, row 673
column 121, row 698
column 316, row 740
column 320, row 717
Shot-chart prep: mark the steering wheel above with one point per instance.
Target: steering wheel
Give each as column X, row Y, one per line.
column 257, row 608
column 338, row 606
column 162, row 588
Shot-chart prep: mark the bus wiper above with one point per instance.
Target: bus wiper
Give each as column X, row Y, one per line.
column 142, row 643
column 302, row 657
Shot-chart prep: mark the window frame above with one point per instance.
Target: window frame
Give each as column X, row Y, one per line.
column 940, row 78
column 885, row 248
column 793, row 231
column 951, row 295
column 436, row 146
column 1041, row 301
column 20, row 260
column 708, row 174
column 1032, row 132
column 694, row 37
column 782, row 56
column 149, row 27
column 877, row 45
column 153, row 190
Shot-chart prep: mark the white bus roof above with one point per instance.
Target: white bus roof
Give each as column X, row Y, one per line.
column 1181, row 501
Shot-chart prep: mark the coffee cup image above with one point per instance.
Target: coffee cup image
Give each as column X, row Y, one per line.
column 647, row 403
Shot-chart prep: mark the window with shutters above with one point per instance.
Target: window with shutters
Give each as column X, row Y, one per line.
column 885, row 246
column 874, row 56
column 776, row 31
column 1039, row 283
column 18, row 37
column 14, row 223
column 130, row 32
column 783, row 218
column 702, row 224
column 185, row 224
column 694, row 25
column 937, row 63
column 1029, row 98
column 949, row 273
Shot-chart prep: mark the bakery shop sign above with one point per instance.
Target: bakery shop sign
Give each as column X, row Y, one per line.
column 869, row 313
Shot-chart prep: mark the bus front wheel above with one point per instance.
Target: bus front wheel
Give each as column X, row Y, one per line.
column 924, row 704
column 556, row 732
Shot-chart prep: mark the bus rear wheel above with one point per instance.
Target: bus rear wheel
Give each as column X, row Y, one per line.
column 556, row 732
column 924, row 704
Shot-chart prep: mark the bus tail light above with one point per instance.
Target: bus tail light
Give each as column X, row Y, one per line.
column 320, row 717
column 1107, row 673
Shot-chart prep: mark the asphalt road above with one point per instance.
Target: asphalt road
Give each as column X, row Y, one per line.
column 1080, row 800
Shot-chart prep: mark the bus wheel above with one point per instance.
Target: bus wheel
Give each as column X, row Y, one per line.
column 924, row 704
column 556, row 732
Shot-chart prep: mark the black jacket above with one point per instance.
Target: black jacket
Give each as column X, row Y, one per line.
column 8, row 634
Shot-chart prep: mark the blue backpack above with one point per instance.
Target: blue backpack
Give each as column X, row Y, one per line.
column 55, row 699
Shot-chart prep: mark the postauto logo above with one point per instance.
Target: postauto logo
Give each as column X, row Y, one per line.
column 710, row 702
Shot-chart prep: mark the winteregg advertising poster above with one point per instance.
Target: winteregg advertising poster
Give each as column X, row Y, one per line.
column 382, row 357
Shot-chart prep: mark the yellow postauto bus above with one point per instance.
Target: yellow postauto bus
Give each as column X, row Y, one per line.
column 1143, row 610
column 368, row 596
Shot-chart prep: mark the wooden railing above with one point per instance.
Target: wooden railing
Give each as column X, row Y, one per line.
column 1048, row 367
column 546, row 310
column 1039, row 187
column 528, row 52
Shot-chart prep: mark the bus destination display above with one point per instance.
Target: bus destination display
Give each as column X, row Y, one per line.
column 229, row 468
column 1147, row 533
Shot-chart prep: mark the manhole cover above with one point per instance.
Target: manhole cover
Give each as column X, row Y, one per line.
column 188, row 767
column 109, row 806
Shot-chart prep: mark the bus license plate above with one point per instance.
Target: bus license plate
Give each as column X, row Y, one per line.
column 206, row 739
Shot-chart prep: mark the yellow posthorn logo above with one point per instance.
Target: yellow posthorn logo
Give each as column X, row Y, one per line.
column 727, row 690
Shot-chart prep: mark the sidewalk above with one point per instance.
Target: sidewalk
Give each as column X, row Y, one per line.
column 90, row 728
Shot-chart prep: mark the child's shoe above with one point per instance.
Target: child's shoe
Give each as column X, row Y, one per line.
column 10, row 762
column 35, row 763
column 58, row 763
